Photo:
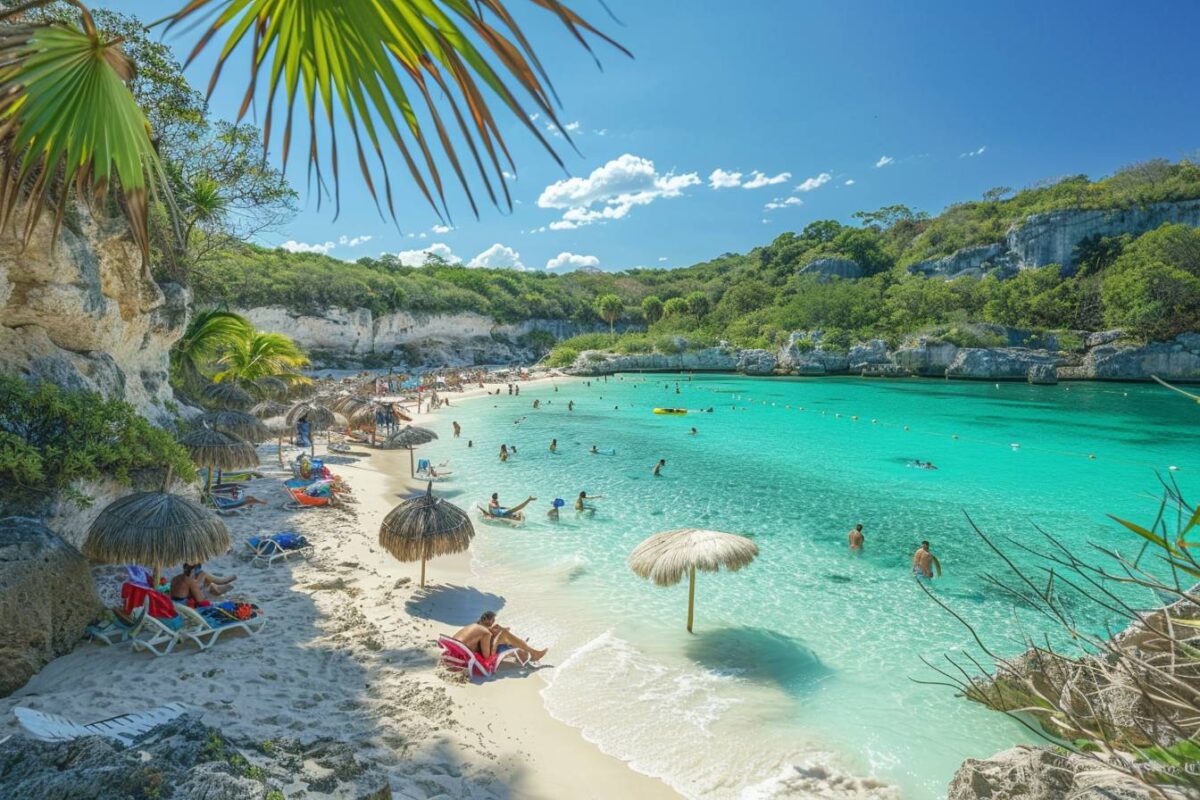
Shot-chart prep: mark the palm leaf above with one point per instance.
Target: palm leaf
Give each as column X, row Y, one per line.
column 68, row 120
column 372, row 63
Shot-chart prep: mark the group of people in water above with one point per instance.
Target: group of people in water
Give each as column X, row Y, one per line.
column 924, row 562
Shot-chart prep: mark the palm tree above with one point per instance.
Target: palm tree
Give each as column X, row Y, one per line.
column 609, row 307
column 71, row 124
column 208, row 335
column 261, row 355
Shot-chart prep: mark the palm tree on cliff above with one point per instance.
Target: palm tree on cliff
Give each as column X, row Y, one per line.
column 208, row 335
column 609, row 307
column 249, row 359
column 409, row 76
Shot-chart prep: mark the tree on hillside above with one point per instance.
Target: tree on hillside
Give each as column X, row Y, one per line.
column 1153, row 289
column 207, row 336
column 698, row 303
column 652, row 309
column 675, row 307
column 261, row 355
column 609, row 307
column 74, row 123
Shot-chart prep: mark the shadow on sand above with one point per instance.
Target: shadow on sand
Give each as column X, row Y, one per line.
column 452, row 604
column 760, row 655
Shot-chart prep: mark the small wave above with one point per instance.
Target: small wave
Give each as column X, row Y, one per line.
column 817, row 781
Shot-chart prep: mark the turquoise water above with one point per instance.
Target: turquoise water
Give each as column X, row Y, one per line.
column 800, row 677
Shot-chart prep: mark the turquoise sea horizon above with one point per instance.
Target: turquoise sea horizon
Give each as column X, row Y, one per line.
column 803, row 675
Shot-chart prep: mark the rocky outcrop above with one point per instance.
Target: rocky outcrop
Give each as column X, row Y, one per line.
column 1043, row 374
column 806, row 354
column 1055, row 238
column 873, row 351
column 1177, row 360
column 1041, row 773
column 410, row 338
column 712, row 359
column 756, row 362
column 46, row 600
column 998, row 364
column 186, row 760
column 826, row 268
column 926, row 357
column 88, row 314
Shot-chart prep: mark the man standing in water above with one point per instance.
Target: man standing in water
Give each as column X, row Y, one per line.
column 857, row 540
column 662, row 462
column 457, row 429
column 924, row 562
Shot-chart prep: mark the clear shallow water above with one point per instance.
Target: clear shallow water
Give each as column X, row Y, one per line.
column 799, row 678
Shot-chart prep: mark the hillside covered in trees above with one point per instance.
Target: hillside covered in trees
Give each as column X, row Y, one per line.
column 1147, row 284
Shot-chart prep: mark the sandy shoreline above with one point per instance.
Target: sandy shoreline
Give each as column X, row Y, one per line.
column 348, row 653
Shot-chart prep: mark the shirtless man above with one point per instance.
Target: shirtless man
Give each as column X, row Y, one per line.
column 923, row 560
column 662, row 462
column 488, row 639
column 497, row 510
column 583, row 497
column 857, row 540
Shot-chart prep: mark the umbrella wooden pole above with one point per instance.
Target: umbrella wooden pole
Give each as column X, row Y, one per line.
column 424, row 556
column 412, row 469
column 280, row 450
column 691, row 596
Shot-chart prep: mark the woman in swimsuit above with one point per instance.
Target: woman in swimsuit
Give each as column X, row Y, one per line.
column 189, row 586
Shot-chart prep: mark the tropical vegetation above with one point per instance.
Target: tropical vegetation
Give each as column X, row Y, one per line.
column 51, row 437
column 221, row 347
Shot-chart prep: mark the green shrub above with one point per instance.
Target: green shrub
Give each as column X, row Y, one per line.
column 562, row 356
column 50, row 437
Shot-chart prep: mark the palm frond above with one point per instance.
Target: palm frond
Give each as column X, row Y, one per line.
column 374, row 64
column 69, row 121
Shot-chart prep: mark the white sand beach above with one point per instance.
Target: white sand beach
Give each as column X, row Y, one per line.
column 348, row 652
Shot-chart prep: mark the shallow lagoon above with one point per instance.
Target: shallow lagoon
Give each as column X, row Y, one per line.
column 806, row 659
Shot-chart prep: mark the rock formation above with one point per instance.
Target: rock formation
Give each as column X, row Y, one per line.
column 1054, row 238
column 1039, row 773
column 186, row 760
column 87, row 313
column 827, row 268
column 46, row 600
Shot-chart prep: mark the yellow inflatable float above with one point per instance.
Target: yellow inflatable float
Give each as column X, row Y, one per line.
column 674, row 412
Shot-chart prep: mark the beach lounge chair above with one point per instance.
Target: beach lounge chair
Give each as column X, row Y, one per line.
column 204, row 626
column 234, row 505
column 126, row 728
column 122, row 627
column 159, row 635
column 264, row 551
column 425, row 471
column 458, row 657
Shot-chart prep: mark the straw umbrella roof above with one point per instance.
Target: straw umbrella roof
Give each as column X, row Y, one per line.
column 424, row 527
column 210, row 448
column 155, row 528
column 272, row 387
column 236, row 423
column 270, row 408
column 666, row 558
column 278, row 425
column 228, row 395
column 410, row 436
column 319, row 416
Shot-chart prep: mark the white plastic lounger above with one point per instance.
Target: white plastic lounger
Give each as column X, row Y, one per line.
column 157, row 636
column 204, row 634
column 267, row 551
column 126, row 729
column 120, row 628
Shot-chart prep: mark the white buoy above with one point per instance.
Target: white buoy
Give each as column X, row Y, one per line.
column 1015, row 446
column 1173, row 468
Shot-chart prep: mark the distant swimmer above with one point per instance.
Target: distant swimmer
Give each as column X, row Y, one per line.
column 555, row 505
column 594, row 451
column 857, row 540
column 503, row 452
column 694, row 431
column 919, row 464
column 662, row 462
column 554, row 445
column 536, row 404
column 513, row 449
column 924, row 562
column 580, row 502
column 457, row 429
column 570, row 405
column 470, row 443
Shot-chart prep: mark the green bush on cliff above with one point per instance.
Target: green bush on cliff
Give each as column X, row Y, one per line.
column 50, row 437
column 1153, row 289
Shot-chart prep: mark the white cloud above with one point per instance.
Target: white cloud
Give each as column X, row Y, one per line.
column 849, row 182
column 758, row 179
column 884, row 161
column 662, row 258
column 572, row 261
column 610, row 192
column 508, row 176
column 571, row 127
column 973, row 153
column 720, row 179
column 441, row 229
column 498, row 256
column 601, row 131
column 353, row 241
column 416, row 258
column 293, row 246
column 783, row 202
column 814, row 183
column 534, row 117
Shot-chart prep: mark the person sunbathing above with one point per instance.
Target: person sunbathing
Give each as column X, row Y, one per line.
column 494, row 508
column 191, row 585
column 489, row 639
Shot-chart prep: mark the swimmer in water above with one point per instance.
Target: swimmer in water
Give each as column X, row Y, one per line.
column 580, row 502
column 570, row 405
column 594, row 451
column 503, row 453
column 662, row 462
column 924, row 562
column 694, row 432
column 554, row 445
column 857, row 540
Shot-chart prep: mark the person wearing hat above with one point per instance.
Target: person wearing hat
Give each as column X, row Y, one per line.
column 555, row 505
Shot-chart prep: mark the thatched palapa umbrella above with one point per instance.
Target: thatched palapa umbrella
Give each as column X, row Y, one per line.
column 424, row 527
column 272, row 387
column 319, row 418
column 279, row 427
column 410, row 436
column 158, row 529
column 216, row 450
column 228, row 395
column 270, row 408
column 666, row 557
column 235, row 423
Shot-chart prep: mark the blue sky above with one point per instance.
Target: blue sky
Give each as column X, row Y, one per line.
column 824, row 108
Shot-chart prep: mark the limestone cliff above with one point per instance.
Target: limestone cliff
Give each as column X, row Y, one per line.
column 1054, row 238
column 411, row 338
column 88, row 313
